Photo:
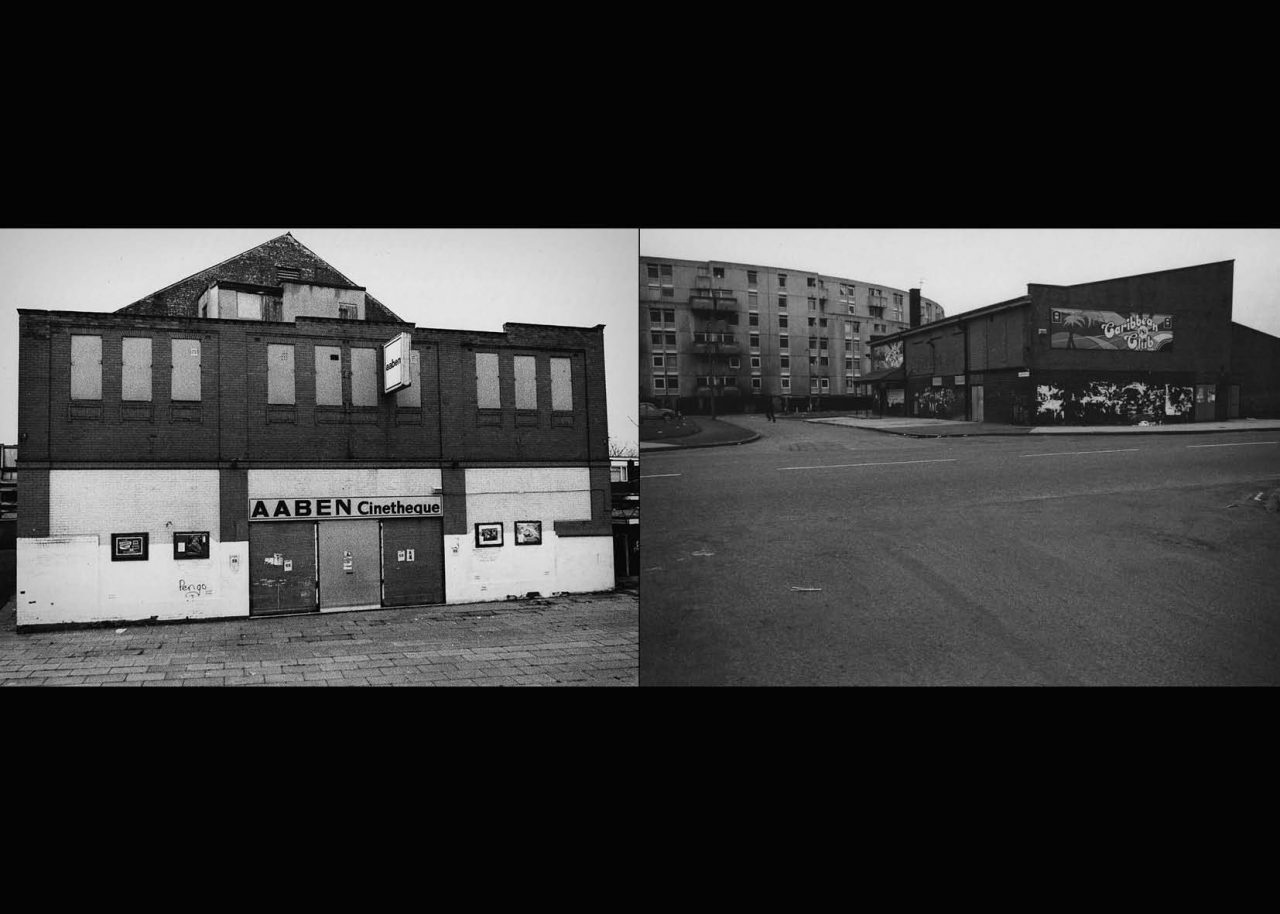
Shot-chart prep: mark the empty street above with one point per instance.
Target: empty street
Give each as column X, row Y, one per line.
column 826, row 555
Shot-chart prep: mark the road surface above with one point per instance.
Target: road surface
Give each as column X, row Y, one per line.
column 822, row 555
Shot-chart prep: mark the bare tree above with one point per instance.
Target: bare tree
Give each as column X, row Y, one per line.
column 622, row 448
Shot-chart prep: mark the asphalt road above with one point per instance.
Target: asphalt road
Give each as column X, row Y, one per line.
column 822, row 555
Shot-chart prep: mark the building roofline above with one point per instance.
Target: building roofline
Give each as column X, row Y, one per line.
column 1235, row 323
column 214, row 267
column 1092, row 282
column 956, row 319
column 598, row 328
column 762, row 266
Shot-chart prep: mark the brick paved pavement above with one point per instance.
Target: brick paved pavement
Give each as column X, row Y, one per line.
column 573, row 640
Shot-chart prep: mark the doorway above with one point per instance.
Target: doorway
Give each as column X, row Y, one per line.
column 412, row 561
column 975, row 402
column 350, row 572
column 282, row 568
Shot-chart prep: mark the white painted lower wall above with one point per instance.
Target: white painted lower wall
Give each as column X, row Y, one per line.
column 571, row 564
column 69, row 577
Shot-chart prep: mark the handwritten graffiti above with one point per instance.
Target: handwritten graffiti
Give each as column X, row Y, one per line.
column 936, row 403
column 1075, row 329
column 1109, row 403
column 194, row 591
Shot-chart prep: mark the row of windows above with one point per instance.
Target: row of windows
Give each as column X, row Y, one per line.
column 816, row 385
column 362, row 364
column 753, row 340
column 662, row 316
column 135, row 374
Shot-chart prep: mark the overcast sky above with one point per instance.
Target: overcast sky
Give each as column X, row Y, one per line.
column 963, row 269
column 469, row 279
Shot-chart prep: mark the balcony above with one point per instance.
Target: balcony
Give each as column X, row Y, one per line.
column 712, row 301
column 718, row 347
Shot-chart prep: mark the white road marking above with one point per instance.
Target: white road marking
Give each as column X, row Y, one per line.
column 1239, row 444
column 1072, row 453
column 895, row 463
column 661, row 475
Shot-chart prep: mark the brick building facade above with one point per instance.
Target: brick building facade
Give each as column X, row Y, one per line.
column 226, row 447
column 1156, row 348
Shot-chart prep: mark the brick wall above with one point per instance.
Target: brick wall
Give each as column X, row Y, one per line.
column 1199, row 298
column 233, row 420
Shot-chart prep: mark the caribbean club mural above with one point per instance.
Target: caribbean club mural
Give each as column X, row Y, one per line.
column 1108, row 403
column 1121, row 331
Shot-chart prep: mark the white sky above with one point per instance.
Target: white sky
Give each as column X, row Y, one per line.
column 963, row 269
column 468, row 279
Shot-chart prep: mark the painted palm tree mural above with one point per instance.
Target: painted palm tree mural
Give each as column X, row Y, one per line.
column 1112, row 330
column 1072, row 320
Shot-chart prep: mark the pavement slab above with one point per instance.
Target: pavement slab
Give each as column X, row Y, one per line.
column 560, row 640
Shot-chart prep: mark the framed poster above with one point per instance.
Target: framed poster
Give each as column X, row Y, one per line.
column 129, row 547
column 191, row 545
column 528, row 533
column 488, row 534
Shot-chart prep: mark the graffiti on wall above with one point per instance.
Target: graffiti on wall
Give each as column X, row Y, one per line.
column 1072, row 328
column 886, row 356
column 936, row 402
column 1109, row 403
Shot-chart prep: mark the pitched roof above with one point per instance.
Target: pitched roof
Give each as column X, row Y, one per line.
column 256, row 266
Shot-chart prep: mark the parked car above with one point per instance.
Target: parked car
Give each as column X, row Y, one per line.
column 649, row 411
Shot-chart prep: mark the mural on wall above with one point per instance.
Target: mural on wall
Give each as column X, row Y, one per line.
column 886, row 356
column 1108, row 403
column 937, row 403
column 1071, row 328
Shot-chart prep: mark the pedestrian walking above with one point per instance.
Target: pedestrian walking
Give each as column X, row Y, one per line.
column 768, row 409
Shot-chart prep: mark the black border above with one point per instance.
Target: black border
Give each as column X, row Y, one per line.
column 501, row 533
column 515, row 536
column 184, row 557
column 146, row 547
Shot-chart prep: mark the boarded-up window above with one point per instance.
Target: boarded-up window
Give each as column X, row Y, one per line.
column 280, row 379
column 365, row 382
column 328, row 376
column 412, row 395
column 488, row 395
column 248, row 306
column 86, row 367
column 135, row 376
column 526, row 382
column 561, row 385
column 186, row 369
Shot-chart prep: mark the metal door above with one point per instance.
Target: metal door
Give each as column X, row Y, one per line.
column 350, row 570
column 975, row 400
column 1233, row 403
column 282, row 568
column 1206, row 403
column 412, row 561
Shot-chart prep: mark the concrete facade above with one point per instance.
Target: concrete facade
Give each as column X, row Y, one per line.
column 743, row 331
column 154, row 444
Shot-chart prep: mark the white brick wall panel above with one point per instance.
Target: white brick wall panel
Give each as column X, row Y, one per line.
column 341, row 483
column 158, row 502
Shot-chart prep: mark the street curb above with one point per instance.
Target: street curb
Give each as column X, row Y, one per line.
column 684, row 447
column 1199, row 431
